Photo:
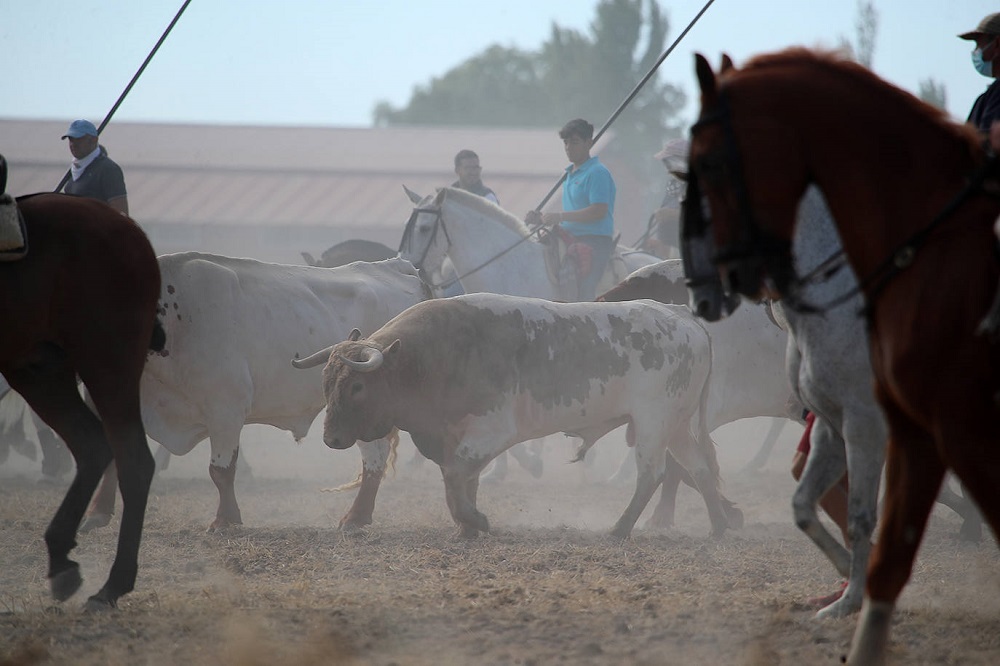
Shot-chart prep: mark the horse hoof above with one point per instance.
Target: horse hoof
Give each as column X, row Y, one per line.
column 65, row 583
column 94, row 521
column 96, row 604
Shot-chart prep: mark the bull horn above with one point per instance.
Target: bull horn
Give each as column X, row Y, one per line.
column 319, row 358
column 370, row 364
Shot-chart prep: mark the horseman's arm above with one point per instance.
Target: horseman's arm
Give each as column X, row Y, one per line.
column 595, row 212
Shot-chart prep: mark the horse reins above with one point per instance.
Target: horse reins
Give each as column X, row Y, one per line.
column 898, row 260
column 439, row 222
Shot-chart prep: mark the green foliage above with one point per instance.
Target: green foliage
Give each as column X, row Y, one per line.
column 572, row 75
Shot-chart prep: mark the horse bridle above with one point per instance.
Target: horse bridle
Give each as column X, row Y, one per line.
column 754, row 243
column 439, row 223
column 407, row 238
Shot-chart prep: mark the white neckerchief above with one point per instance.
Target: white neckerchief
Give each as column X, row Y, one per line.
column 78, row 166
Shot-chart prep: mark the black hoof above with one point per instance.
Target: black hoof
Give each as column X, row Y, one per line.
column 97, row 604
column 65, row 583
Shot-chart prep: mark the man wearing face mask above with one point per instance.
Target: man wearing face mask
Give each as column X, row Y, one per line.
column 986, row 60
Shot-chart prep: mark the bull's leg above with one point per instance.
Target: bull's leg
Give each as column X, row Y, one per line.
column 697, row 455
column 663, row 514
column 767, row 446
column 458, row 476
column 374, row 459
column 527, row 459
column 914, row 472
column 102, row 507
column 222, row 469
column 497, row 471
column 50, row 389
column 650, row 455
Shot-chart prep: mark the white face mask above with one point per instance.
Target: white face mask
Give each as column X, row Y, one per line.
column 982, row 66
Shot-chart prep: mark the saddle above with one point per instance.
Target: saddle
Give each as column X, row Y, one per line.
column 13, row 238
column 567, row 261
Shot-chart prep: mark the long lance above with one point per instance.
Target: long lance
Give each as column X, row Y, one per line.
column 631, row 96
column 121, row 98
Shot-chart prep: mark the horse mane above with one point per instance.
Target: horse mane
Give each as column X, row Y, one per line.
column 487, row 208
column 836, row 63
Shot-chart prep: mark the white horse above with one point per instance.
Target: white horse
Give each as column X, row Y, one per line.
column 489, row 246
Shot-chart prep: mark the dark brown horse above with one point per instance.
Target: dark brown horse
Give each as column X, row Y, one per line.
column 82, row 303
column 903, row 184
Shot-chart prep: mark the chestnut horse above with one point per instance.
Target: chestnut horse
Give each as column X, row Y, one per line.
column 904, row 186
column 82, row 303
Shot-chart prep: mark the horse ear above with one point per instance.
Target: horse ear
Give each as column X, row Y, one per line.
column 727, row 63
column 354, row 335
column 439, row 199
column 706, row 78
column 414, row 197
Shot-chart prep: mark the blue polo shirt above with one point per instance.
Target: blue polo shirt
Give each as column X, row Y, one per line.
column 591, row 183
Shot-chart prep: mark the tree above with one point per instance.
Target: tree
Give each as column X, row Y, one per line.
column 571, row 75
column 933, row 92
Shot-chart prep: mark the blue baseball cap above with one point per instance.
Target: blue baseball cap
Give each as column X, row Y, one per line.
column 80, row 128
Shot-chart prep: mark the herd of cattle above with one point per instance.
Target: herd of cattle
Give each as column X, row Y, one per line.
column 470, row 376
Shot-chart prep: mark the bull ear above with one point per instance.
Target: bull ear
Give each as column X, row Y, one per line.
column 309, row 258
column 391, row 349
column 414, row 197
column 727, row 63
column 706, row 79
column 354, row 335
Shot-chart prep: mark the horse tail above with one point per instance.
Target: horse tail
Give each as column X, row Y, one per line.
column 159, row 338
column 3, row 174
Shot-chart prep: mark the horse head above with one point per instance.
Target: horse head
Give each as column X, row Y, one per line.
column 425, row 239
column 751, row 258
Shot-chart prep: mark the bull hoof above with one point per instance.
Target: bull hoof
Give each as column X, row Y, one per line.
column 64, row 584
column 734, row 517
column 94, row 521
column 220, row 525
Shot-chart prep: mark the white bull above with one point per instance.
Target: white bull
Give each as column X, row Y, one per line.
column 470, row 376
column 231, row 325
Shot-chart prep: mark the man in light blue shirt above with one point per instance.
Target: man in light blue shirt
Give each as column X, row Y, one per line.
column 588, row 202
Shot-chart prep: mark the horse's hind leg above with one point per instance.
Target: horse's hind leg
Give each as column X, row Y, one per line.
column 50, row 389
column 914, row 472
column 112, row 379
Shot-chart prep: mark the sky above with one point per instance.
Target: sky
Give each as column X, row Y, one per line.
column 329, row 62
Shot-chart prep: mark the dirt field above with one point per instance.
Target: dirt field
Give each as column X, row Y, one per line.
column 546, row 586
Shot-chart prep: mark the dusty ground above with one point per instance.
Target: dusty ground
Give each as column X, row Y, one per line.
column 546, row 586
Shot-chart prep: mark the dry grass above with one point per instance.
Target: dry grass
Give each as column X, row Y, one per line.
column 547, row 586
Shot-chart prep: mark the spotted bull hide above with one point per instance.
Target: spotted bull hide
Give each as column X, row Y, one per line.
column 233, row 324
column 468, row 377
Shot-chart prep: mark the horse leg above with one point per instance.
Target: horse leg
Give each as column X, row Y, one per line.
column 972, row 521
column 225, row 443
column 767, row 446
column 864, row 433
column 914, row 472
column 825, row 467
column 374, row 459
column 102, row 507
column 56, row 458
column 50, row 389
